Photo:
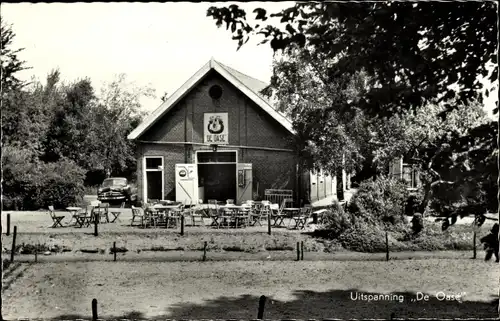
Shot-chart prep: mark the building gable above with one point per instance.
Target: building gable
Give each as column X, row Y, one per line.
column 246, row 85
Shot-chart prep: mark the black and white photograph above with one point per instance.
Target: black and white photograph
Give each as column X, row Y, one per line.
column 250, row 160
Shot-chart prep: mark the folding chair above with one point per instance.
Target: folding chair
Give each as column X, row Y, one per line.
column 277, row 214
column 116, row 214
column 259, row 212
column 304, row 215
column 84, row 217
column 55, row 219
column 213, row 212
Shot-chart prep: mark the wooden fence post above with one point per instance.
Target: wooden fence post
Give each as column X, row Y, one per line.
column 205, row 251
column 8, row 224
column 298, row 251
column 269, row 224
column 96, row 222
column 94, row 310
column 182, row 225
column 114, row 251
column 262, row 304
column 13, row 245
column 474, row 253
column 386, row 246
column 302, row 250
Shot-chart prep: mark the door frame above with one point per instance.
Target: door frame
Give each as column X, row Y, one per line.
column 221, row 163
column 145, row 176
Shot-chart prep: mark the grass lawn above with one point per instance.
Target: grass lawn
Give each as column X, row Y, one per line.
column 224, row 290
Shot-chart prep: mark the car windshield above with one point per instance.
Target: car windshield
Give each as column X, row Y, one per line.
column 114, row 182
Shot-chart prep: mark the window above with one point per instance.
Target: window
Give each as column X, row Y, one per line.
column 215, row 92
column 114, row 182
column 153, row 162
column 216, row 157
column 410, row 176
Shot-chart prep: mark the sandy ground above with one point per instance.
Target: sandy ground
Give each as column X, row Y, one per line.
column 224, row 290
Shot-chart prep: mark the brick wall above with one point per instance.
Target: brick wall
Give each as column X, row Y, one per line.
column 249, row 125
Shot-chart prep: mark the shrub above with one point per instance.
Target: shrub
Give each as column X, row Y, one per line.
column 363, row 237
column 62, row 184
column 379, row 201
column 336, row 220
column 20, row 175
column 30, row 184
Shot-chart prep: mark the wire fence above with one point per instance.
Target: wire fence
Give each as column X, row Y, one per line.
column 114, row 249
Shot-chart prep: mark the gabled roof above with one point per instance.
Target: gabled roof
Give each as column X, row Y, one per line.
column 251, row 87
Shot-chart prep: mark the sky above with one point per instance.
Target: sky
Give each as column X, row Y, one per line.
column 159, row 45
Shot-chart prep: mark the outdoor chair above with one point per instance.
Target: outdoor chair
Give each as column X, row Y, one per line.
column 259, row 212
column 116, row 214
column 213, row 212
column 84, row 217
column 154, row 218
column 226, row 217
column 277, row 214
column 243, row 217
column 137, row 212
column 303, row 216
column 175, row 216
column 191, row 212
column 101, row 211
column 56, row 220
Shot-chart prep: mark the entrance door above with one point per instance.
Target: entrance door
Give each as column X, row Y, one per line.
column 217, row 175
column 153, row 178
column 186, row 184
column 219, row 181
column 154, row 185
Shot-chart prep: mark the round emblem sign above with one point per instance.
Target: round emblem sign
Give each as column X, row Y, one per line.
column 182, row 173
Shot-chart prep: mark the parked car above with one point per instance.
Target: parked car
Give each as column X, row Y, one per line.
column 116, row 189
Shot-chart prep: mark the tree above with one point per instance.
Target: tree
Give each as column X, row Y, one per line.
column 10, row 63
column 412, row 52
column 455, row 156
column 414, row 55
column 327, row 139
column 13, row 98
column 117, row 113
column 70, row 125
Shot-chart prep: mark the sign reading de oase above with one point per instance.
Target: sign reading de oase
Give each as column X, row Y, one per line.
column 215, row 129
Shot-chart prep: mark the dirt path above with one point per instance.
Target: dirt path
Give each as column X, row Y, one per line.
column 224, row 290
